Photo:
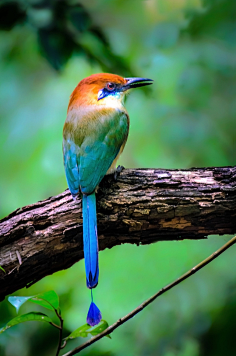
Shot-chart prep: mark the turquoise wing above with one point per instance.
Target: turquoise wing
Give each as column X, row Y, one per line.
column 71, row 164
column 86, row 164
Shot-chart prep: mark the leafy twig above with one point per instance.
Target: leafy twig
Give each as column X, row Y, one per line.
column 60, row 332
column 121, row 321
column 58, row 314
column 55, row 325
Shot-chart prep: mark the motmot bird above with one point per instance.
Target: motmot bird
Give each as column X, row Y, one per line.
column 94, row 135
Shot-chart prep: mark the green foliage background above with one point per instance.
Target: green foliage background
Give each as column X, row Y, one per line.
column 186, row 119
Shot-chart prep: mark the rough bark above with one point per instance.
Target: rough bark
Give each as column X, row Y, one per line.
column 142, row 206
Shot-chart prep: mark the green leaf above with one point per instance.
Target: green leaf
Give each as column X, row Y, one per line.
column 18, row 301
column 2, row 269
column 44, row 299
column 85, row 330
column 33, row 316
column 57, row 45
column 103, row 325
column 82, row 331
column 49, row 300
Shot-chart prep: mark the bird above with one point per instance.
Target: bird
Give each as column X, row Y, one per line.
column 94, row 135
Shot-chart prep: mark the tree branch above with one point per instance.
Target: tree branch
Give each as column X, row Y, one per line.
column 142, row 206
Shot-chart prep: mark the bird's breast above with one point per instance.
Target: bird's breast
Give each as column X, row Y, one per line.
column 95, row 123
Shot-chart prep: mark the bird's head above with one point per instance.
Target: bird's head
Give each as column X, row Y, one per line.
column 104, row 88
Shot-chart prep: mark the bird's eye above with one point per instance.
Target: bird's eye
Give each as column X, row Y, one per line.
column 111, row 86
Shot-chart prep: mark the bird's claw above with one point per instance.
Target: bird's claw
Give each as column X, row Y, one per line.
column 118, row 170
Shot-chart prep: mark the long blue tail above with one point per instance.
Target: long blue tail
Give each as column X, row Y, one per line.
column 91, row 253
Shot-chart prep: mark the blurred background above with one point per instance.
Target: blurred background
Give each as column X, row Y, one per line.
column 185, row 119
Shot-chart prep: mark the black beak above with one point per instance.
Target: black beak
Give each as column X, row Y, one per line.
column 135, row 83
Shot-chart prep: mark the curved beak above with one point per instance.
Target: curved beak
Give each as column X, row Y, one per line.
column 135, row 83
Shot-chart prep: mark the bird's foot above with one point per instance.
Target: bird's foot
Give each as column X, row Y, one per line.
column 118, row 171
